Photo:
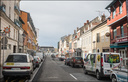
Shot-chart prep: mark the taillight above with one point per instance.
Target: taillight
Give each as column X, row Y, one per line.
column 121, row 59
column 7, row 67
column 24, row 67
column 73, row 60
column 37, row 62
column 101, row 61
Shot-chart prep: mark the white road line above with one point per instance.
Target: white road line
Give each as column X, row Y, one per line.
column 73, row 77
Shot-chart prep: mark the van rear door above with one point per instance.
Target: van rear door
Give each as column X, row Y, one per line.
column 110, row 61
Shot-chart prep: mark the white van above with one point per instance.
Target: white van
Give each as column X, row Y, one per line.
column 40, row 54
column 101, row 64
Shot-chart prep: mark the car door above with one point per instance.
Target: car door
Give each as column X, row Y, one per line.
column 92, row 62
column 88, row 62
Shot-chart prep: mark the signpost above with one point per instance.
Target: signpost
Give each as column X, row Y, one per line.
column 4, row 40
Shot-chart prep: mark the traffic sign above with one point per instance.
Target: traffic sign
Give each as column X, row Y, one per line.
column 4, row 40
column 6, row 30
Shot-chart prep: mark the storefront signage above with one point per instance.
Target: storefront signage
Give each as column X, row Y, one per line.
column 122, row 40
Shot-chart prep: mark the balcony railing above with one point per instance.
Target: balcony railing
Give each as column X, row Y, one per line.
column 17, row 9
column 122, row 35
column 18, row 23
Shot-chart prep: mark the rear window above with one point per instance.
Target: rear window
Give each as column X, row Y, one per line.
column 78, row 58
column 111, row 58
column 17, row 58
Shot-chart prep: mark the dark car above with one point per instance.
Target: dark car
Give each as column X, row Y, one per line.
column 76, row 61
column 67, row 61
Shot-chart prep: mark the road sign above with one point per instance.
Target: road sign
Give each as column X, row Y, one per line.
column 6, row 30
column 4, row 40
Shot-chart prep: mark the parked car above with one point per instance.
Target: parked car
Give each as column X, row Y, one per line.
column 67, row 61
column 38, row 60
column 33, row 61
column 17, row 64
column 120, row 73
column 101, row 64
column 76, row 61
column 62, row 58
column 40, row 54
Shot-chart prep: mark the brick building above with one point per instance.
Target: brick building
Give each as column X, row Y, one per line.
column 118, row 28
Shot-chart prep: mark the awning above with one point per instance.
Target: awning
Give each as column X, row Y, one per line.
column 121, row 46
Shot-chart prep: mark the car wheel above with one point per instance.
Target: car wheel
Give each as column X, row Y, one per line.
column 114, row 79
column 5, row 77
column 29, row 76
column 82, row 66
column 85, row 71
column 98, row 75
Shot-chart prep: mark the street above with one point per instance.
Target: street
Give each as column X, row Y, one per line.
column 55, row 70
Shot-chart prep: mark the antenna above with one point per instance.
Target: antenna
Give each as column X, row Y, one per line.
column 101, row 12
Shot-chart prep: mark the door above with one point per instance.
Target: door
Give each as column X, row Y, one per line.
column 123, row 56
column 14, row 49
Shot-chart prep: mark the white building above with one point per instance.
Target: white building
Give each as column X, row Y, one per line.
column 9, row 17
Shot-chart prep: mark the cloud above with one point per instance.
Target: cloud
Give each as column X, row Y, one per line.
column 56, row 19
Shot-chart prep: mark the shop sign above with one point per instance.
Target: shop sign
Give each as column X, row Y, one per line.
column 122, row 40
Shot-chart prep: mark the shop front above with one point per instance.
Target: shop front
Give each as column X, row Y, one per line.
column 121, row 46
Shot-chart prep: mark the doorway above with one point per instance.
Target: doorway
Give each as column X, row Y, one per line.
column 123, row 55
column 14, row 49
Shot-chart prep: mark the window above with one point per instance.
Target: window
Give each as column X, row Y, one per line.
column 9, row 32
column 98, row 37
column 9, row 12
column 17, row 58
column 122, row 30
column 120, row 9
column 113, row 14
column 92, row 58
column 4, row 47
column 111, row 58
column 114, row 33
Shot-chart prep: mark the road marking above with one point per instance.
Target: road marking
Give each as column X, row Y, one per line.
column 53, row 77
column 73, row 77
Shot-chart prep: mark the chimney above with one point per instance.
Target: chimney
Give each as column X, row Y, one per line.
column 77, row 28
column 87, row 21
column 85, row 24
column 74, row 31
column 103, row 17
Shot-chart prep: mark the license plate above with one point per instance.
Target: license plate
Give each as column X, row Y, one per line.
column 9, row 63
column 79, row 61
column 15, row 68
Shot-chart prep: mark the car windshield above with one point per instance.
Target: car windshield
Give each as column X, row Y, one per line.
column 78, row 58
column 111, row 58
column 17, row 58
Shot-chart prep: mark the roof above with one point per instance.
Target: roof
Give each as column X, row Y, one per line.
column 18, row 54
column 113, row 2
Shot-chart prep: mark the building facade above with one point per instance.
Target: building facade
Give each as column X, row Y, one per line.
column 100, row 42
column 118, row 28
column 9, row 17
column 30, row 35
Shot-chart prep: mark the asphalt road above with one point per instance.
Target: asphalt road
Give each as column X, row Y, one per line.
column 55, row 70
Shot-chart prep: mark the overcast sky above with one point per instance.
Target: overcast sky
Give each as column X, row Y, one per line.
column 56, row 19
